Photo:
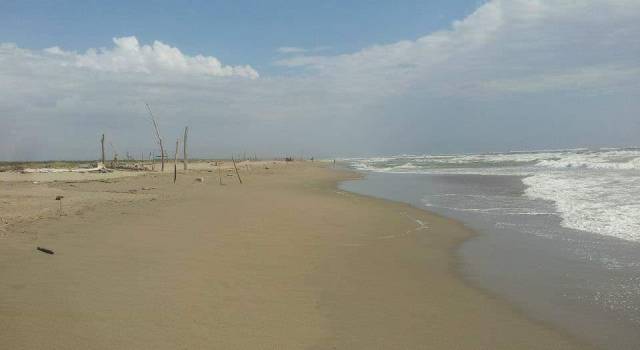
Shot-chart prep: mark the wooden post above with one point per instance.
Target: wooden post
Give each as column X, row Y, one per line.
column 184, row 148
column 102, row 146
column 175, row 162
column 153, row 161
column 235, row 167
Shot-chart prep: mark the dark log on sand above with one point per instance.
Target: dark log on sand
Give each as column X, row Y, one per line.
column 45, row 250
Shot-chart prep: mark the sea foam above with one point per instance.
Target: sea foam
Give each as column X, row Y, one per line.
column 596, row 191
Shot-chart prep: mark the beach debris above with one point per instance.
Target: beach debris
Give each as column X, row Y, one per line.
column 97, row 169
column 199, row 179
column 45, row 250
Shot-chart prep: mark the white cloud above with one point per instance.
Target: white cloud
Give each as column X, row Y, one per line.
column 514, row 40
column 129, row 56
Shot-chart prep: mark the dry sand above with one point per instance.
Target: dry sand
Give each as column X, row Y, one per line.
column 285, row 260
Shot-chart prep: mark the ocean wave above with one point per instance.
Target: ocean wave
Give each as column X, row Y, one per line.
column 603, row 203
column 593, row 190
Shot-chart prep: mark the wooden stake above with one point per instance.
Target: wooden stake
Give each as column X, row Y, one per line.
column 184, row 148
column 235, row 167
column 102, row 146
column 175, row 162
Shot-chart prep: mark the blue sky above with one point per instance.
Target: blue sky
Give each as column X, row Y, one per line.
column 330, row 78
column 236, row 31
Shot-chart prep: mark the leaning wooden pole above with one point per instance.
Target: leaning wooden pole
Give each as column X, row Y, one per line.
column 161, row 156
column 159, row 139
column 235, row 167
column 185, row 160
column 175, row 162
column 102, row 147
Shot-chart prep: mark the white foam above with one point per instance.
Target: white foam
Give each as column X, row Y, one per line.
column 606, row 203
column 596, row 191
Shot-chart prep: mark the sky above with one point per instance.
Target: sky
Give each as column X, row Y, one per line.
column 323, row 79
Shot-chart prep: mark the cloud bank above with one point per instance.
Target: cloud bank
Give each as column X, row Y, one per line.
column 512, row 75
column 519, row 45
column 128, row 56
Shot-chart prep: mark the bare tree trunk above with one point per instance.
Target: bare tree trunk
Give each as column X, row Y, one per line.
column 102, row 146
column 175, row 162
column 185, row 160
column 235, row 167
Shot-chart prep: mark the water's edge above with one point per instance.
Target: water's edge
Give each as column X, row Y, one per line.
column 556, row 289
column 459, row 269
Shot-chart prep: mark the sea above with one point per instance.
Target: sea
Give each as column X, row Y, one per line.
column 558, row 231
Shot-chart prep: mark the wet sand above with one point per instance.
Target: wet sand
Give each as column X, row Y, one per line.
column 285, row 260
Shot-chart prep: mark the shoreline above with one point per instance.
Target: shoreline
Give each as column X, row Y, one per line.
column 357, row 273
column 570, row 280
column 459, row 264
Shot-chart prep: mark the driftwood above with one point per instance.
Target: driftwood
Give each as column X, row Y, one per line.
column 235, row 167
column 98, row 169
column 45, row 250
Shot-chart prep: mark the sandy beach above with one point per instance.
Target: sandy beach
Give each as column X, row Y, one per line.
column 284, row 260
